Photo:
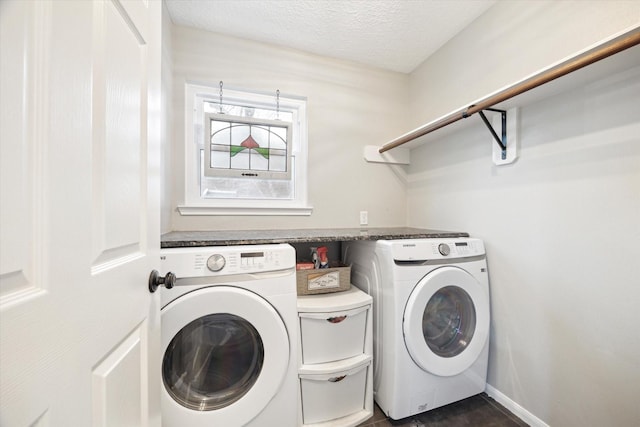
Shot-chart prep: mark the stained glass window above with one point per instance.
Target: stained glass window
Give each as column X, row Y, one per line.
column 266, row 177
column 246, row 147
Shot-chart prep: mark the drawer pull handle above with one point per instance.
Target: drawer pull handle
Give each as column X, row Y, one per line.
column 336, row 319
column 337, row 379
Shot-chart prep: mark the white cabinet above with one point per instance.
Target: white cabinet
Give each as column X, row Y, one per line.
column 335, row 359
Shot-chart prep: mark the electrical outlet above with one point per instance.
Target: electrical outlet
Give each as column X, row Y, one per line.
column 364, row 218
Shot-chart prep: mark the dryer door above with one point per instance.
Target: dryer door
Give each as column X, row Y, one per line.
column 225, row 355
column 446, row 321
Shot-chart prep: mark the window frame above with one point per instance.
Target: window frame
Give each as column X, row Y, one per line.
column 194, row 133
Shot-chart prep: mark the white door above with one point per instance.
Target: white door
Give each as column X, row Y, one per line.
column 79, row 104
column 446, row 321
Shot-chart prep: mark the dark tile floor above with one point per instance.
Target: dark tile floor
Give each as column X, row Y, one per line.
column 476, row 411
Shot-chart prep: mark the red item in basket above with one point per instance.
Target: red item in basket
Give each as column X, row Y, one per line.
column 304, row 266
column 323, row 257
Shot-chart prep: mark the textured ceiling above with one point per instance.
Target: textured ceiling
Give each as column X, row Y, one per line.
column 396, row 35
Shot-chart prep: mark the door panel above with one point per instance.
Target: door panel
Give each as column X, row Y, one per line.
column 79, row 330
column 118, row 384
column 118, row 170
column 23, row 34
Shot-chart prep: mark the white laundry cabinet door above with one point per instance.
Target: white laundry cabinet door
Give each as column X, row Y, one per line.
column 79, row 221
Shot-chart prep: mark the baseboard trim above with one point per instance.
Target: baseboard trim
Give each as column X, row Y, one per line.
column 512, row 406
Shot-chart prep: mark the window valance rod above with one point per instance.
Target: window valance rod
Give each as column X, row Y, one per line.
column 587, row 58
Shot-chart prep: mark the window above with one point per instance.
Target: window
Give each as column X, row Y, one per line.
column 245, row 154
column 242, row 147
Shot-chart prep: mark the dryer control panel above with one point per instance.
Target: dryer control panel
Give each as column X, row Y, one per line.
column 435, row 249
column 227, row 260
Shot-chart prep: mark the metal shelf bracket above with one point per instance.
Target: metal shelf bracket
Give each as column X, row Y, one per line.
column 501, row 141
column 507, row 123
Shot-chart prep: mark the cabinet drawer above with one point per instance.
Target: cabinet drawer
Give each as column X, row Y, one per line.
column 331, row 336
column 333, row 395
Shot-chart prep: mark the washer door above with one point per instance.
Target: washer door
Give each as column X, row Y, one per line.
column 446, row 321
column 225, row 355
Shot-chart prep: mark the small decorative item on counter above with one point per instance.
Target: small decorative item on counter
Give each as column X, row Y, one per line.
column 323, row 257
column 334, row 278
column 305, row 266
column 321, row 276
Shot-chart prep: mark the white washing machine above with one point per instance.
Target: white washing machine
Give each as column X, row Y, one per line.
column 229, row 337
column 431, row 319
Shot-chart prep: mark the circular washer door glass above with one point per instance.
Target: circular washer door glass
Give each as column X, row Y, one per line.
column 449, row 321
column 212, row 362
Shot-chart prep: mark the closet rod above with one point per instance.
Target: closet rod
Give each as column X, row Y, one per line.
column 587, row 58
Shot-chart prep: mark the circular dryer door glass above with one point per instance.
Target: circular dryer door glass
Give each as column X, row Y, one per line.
column 212, row 362
column 449, row 321
column 446, row 321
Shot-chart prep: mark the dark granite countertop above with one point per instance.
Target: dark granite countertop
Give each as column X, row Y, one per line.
column 177, row 239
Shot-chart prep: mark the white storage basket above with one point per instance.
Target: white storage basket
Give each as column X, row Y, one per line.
column 333, row 395
column 332, row 336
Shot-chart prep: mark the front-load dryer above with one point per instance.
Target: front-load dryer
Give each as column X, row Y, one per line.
column 229, row 337
column 431, row 319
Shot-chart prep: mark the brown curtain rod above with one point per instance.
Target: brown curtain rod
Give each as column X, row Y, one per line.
column 587, row 58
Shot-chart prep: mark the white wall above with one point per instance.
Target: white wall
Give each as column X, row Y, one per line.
column 510, row 41
column 167, row 119
column 348, row 107
column 561, row 225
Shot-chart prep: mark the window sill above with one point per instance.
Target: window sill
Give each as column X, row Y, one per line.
column 240, row 211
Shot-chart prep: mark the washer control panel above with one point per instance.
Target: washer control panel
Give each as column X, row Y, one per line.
column 444, row 249
column 225, row 260
column 216, row 262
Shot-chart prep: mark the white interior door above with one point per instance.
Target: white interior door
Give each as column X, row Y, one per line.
column 79, row 216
